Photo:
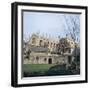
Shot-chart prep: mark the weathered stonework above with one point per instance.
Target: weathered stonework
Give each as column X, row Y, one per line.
column 39, row 50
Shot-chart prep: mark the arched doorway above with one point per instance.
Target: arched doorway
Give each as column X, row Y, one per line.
column 50, row 61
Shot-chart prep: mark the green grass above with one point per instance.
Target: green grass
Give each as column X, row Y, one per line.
column 36, row 67
column 31, row 70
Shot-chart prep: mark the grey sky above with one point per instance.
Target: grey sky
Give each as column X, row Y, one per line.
column 51, row 24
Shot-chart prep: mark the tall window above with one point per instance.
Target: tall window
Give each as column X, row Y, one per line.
column 45, row 44
column 54, row 44
column 33, row 40
column 48, row 43
column 45, row 59
column 37, row 58
column 40, row 43
column 69, row 59
column 51, row 44
column 69, row 50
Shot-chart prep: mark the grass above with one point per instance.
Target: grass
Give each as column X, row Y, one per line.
column 36, row 67
column 31, row 70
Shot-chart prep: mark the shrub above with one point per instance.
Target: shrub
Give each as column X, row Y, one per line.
column 59, row 70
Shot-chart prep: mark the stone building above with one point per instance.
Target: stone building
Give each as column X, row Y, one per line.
column 66, row 45
column 41, row 50
column 37, row 40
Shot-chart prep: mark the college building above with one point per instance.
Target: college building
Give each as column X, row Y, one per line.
column 47, row 50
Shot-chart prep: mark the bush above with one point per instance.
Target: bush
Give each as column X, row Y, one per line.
column 59, row 70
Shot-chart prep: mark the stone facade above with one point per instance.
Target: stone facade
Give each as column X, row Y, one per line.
column 46, row 59
column 41, row 50
column 37, row 40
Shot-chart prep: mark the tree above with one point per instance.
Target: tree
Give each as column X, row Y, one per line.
column 64, row 45
column 26, row 50
column 73, row 27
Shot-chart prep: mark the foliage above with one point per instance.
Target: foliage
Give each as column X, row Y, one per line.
column 59, row 70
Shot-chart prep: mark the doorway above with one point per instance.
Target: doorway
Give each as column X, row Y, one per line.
column 69, row 59
column 50, row 61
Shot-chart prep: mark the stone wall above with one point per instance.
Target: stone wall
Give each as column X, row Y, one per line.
column 47, row 59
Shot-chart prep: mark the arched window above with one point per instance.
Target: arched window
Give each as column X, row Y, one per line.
column 40, row 43
column 48, row 42
column 69, row 50
column 51, row 44
column 37, row 58
column 45, row 44
column 33, row 40
column 45, row 59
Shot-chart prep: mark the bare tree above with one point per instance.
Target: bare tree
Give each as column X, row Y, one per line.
column 73, row 27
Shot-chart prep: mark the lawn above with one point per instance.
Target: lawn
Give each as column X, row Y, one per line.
column 31, row 70
column 36, row 68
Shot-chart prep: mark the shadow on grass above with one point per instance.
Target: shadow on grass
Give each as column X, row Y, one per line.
column 53, row 71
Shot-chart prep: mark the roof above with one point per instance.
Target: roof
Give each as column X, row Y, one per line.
column 39, row 49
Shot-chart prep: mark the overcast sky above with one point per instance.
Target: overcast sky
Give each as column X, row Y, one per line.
column 47, row 24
